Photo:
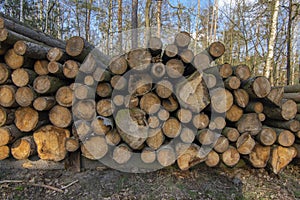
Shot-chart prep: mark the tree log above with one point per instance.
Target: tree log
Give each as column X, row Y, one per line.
column 292, row 96
column 7, row 97
column 78, row 48
column 172, row 127
column 206, row 137
column 6, row 116
column 60, row 116
column 44, row 103
column 245, row 144
column 187, row 56
column 221, row 100
column 163, row 114
column 94, row 148
column 64, row 96
column 122, row 154
column 259, row 156
column 104, row 90
column 184, row 115
column 241, row 97
column 234, row 114
column 22, row 77
column 292, row 125
column 216, row 49
column 5, row 73
column 150, row 103
column 281, row 157
column 187, row 135
column 153, row 121
column 56, row 69
column 155, row 139
column 182, row 39
column 221, row 145
column 175, row 68
column 139, row 59
column 55, row 54
column 118, row 82
column 254, row 106
column 292, row 88
column 47, row 84
column 84, row 110
column 166, row 155
column 41, row 67
column 190, row 157
column 148, row 155
column 285, row 137
column 200, row 121
column 232, row 134
column 224, row 70
column 113, row 137
column 242, row 72
column 267, row 136
column 164, row 89
column 213, row 159
column 101, row 126
column 170, row 104
column 31, row 50
column 230, row 157
column 72, row 144
column 23, row 148
column 26, row 119
column 232, row 83
column 275, row 96
column 4, row 152
column 25, row 96
column 9, row 134
column 287, row 111
column 101, row 75
column 105, row 107
column 158, row 70
column 171, row 51
column 13, row 60
column 71, row 69
column 257, row 87
column 81, row 129
column 249, row 123
column 118, row 65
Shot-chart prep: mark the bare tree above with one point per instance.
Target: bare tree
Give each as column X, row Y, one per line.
column 158, row 17
column 21, row 11
column 134, row 23
column 120, row 20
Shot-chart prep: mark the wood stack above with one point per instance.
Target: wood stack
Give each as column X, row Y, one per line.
column 152, row 105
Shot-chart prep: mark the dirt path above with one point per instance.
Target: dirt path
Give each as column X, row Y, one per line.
column 200, row 182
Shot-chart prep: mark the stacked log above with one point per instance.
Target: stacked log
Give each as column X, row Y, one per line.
column 157, row 106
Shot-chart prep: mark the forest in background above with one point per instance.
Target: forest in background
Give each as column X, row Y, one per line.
column 264, row 34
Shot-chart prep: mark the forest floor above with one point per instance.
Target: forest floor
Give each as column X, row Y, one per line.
column 170, row 183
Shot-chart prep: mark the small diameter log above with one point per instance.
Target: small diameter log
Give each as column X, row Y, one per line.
column 232, row 83
column 81, row 129
column 213, row 159
column 164, row 89
column 275, row 96
column 249, row 123
column 132, row 127
column 234, row 114
column 210, row 80
column 257, row 87
column 56, row 69
column 155, row 139
column 201, row 61
column 101, row 126
column 254, row 106
column 89, row 80
column 267, row 136
column 193, row 94
column 4, row 73
column 44, row 103
column 224, row 71
column 7, row 97
column 182, row 39
column 171, row 51
column 56, row 55
column 118, row 65
column 9, row 134
column 113, row 138
column 84, row 109
column 242, row 72
column 79, row 48
column 230, row 157
column 189, row 157
column 163, row 114
column 122, row 154
column 241, row 97
column 150, row 103
column 206, row 137
column 4, row 152
column 71, row 69
column 25, row 96
column 184, row 115
column 82, row 92
column 41, row 67
column 261, row 117
column 148, row 155
column 105, row 107
column 13, row 60
column 94, row 148
column 47, row 84
column 50, row 142
column 31, row 50
column 26, row 119
column 175, row 68
column 104, row 90
column 287, row 110
column 172, row 127
column 259, row 156
column 187, row 135
column 285, row 137
column 292, row 88
column 216, row 49
column 292, row 125
column 281, row 157
column 166, row 155
column 72, row 144
column 232, row 134
column 293, row 96
column 101, row 75
column 221, row 145
column 221, row 100
column 64, row 96
column 60, row 116
column 153, row 122
column 186, row 56
column 23, row 148
column 200, row 121
column 118, row 99
column 139, row 59
column 170, row 104
column 22, row 77
column 118, row 82
column 217, row 123
column 245, row 144
column 158, row 70
column 7, row 116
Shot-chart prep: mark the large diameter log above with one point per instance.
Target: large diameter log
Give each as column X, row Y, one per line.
column 275, row 96
column 259, row 156
column 241, row 97
column 50, row 142
column 60, row 116
column 190, row 157
column 22, row 77
column 231, row 156
column 7, row 95
column 213, row 159
column 150, row 103
column 64, row 96
column 84, row 110
column 232, row 134
column 44, row 103
column 287, row 111
column 118, row 65
column 122, row 154
column 41, row 67
column 221, row 100
column 25, row 96
column 267, row 136
column 285, row 137
column 293, row 96
column 131, row 126
column 94, row 148
column 216, row 49
column 4, row 73
column 242, row 72
column 7, row 116
column 249, row 123
column 31, row 50
column 174, row 68
column 172, row 127
column 166, row 155
column 281, row 157
column 292, row 88
column 79, row 48
column 9, row 134
column 155, row 139
column 13, row 60
column 292, row 125
column 139, row 59
column 245, row 144
column 26, row 119
column 23, row 148
column 71, row 69
column 192, row 93
column 257, row 87
column 4, row 152
column 182, row 39
column 47, row 84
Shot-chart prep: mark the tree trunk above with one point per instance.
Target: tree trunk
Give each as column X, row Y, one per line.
column 41, row 67
column 23, row 148
column 25, row 96
column 249, row 123
column 44, row 103
column 9, row 134
column 31, row 50
column 231, row 156
column 134, row 23
column 60, row 116
column 281, row 157
column 259, row 156
column 22, row 77
column 267, row 136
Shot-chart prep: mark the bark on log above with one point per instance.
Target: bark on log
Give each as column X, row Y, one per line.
column 44, row 103
column 22, row 77
column 23, row 148
column 47, row 84
column 254, row 106
column 55, row 54
column 139, row 59
column 241, row 97
column 31, row 50
column 287, row 110
column 5, row 73
column 78, row 48
column 292, row 125
column 25, row 96
column 6, row 116
column 292, row 88
column 292, row 96
column 242, row 72
column 9, row 134
column 60, row 116
column 275, row 96
column 257, row 87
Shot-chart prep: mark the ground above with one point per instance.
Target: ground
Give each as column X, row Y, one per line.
column 200, row 182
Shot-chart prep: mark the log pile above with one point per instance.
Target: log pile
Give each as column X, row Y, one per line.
column 158, row 106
